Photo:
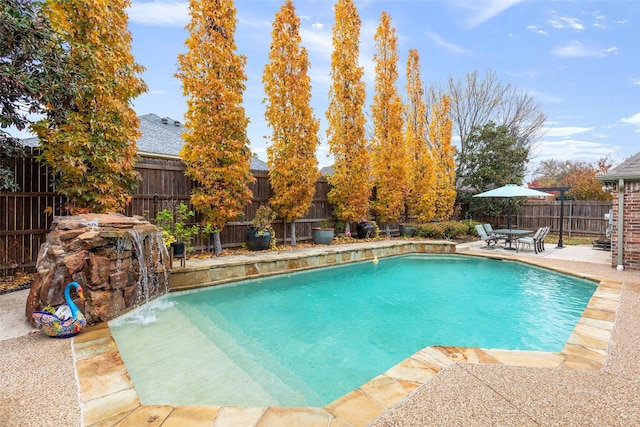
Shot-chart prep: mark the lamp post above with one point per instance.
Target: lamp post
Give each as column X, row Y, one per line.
column 561, row 190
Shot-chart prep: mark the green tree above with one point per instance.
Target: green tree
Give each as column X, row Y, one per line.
column 216, row 150
column 389, row 154
column 494, row 159
column 34, row 74
column 421, row 195
column 94, row 150
column 293, row 167
column 350, row 182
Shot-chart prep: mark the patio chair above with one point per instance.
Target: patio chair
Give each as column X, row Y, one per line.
column 531, row 240
column 545, row 231
column 484, row 236
column 497, row 237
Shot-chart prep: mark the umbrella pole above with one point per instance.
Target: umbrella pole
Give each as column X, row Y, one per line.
column 509, row 214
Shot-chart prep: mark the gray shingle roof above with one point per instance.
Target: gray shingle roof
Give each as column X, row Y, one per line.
column 160, row 135
column 629, row 169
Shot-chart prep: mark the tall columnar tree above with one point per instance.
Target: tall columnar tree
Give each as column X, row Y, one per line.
column 350, row 182
column 421, row 194
column 216, row 150
column 444, row 159
column 34, row 74
column 389, row 154
column 94, row 150
column 293, row 167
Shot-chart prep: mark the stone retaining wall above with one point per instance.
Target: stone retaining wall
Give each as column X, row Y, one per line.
column 254, row 267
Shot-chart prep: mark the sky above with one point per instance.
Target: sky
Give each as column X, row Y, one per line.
column 577, row 59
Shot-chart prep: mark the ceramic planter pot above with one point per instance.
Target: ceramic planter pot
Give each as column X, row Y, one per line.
column 322, row 236
column 407, row 230
column 258, row 240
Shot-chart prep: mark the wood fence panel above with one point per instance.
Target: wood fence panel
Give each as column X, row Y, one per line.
column 26, row 215
column 580, row 218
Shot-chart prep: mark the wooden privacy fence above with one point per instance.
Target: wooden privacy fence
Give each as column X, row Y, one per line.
column 26, row 215
column 580, row 218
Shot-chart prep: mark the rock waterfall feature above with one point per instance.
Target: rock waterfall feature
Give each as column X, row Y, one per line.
column 121, row 263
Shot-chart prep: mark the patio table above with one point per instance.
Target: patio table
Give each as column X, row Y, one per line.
column 512, row 234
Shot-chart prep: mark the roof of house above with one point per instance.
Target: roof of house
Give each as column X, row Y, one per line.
column 160, row 135
column 629, row 169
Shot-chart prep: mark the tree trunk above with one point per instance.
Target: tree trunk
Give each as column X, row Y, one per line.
column 293, row 233
column 388, row 231
column 216, row 243
column 347, row 228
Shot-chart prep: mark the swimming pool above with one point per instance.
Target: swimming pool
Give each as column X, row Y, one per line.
column 307, row 338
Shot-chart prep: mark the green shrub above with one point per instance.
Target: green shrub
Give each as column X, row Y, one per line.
column 443, row 230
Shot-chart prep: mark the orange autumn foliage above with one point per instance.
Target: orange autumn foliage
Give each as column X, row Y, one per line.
column 389, row 155
column 216, row 150
column 94, row 151
column 350, row 183
column 293, row 167
column 421, row 194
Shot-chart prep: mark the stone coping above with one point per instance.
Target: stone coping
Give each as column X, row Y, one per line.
column 108, row 395
column 215, row 271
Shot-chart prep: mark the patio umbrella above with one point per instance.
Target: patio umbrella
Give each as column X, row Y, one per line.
column 510, row 191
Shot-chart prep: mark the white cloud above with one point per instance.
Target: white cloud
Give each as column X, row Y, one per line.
column 482, row 11
column 571, row 149
column 317, row 41
column 566, row 22
column 544, row 97
column 576, row 49
column 565, row 132
column 536, row 29
column 633, row 120
column 445, row 44
column 317, row 26
column 161, row 13
column 636, row 82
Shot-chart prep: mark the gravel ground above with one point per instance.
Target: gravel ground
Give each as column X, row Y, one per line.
column 38, row 382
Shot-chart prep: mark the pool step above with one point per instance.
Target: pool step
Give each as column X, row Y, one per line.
column 263, row 367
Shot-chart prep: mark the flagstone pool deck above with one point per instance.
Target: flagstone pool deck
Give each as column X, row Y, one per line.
column 595, row 380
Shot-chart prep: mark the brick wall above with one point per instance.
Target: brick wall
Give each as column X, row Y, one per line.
column 630, row 226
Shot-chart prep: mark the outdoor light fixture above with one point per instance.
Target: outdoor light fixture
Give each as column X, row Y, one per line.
column 608, row 186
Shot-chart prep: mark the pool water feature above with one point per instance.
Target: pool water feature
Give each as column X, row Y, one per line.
column 308, row 338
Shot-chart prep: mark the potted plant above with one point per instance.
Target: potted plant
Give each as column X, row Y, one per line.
column 176, row 234
column 323, row 235
column 408, row 230
column 260, row 235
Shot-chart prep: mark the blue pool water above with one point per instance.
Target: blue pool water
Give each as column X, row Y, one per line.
column 306, row 339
